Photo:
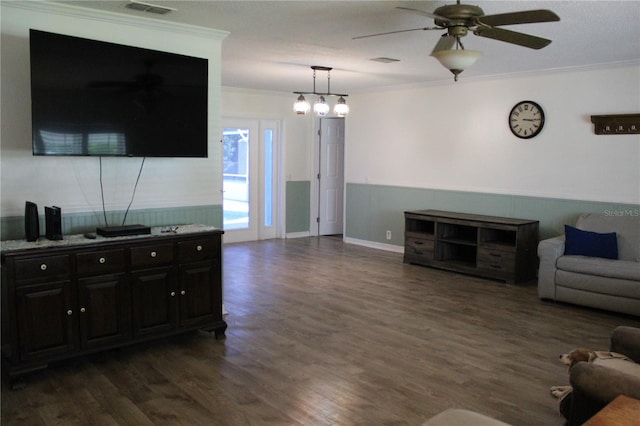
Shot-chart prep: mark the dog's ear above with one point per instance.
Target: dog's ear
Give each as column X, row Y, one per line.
column 580, row 355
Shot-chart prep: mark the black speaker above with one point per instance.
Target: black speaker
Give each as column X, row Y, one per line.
column 31, row 221
column 53, row 220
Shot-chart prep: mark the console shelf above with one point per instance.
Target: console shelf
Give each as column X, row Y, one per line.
column 488, row 246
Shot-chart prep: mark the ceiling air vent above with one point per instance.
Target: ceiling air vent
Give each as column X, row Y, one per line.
column 385, row 60
column 151, row 8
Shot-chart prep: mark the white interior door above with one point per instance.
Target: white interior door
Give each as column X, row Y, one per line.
column 331, row 177
column 251, row 185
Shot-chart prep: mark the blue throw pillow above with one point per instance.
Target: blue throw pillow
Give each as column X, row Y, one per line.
column 587, row 243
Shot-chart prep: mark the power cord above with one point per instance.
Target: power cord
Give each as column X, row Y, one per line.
column 104, row 210
column 134, row 191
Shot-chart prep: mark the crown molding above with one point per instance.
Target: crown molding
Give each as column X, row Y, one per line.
column 73, row 11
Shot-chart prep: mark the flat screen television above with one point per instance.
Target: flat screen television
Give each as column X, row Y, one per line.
column 94, row 98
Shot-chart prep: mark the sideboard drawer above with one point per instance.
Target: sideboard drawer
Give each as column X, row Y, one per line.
column 42, row 267
column 151, row 255
column 417, row 249
column 192, row 251
column 496, row 260
column 99, row 262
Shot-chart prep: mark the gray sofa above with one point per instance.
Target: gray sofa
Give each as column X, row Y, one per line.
column 611, row 284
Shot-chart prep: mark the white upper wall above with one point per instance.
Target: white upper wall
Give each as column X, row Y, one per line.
column 73, row 183
column 296, row 135
column 450, row 137
column 456, row 137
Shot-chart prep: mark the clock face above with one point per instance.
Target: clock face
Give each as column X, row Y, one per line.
column 526, row 119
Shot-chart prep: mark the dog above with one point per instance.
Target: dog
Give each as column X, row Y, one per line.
column 581, row 355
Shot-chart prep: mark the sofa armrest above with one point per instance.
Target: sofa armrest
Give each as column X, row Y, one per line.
column 626, row 340
column 549, row 251
column 602, row 383
column 595, row 386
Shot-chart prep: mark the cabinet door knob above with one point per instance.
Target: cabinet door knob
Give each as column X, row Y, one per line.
column 83, row 310
column 69, row 312
column 183, row 292
column 43, row 267
column 199, row 247
column 154, row 254
column 173, row 293
column 102, row 260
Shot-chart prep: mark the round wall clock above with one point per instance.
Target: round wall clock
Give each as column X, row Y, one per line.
column 526, row 119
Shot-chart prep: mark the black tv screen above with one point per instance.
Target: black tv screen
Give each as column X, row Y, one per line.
column 91, row 97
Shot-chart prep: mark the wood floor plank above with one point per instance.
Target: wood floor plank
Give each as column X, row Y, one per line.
column 326, row 333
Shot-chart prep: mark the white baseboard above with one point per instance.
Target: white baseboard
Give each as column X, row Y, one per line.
column 298, row 234
column 373, row 244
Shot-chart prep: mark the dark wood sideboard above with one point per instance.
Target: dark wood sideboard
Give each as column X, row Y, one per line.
column 62, row 299
column 488, row 246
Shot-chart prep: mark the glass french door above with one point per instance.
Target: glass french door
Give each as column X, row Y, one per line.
column 250, row 185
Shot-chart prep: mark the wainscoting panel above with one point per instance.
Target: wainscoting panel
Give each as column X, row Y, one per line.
column 298, row 203
column 371, row 210
column 12, row 228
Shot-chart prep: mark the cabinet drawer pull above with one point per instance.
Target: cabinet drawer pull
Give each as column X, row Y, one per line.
column 83, row 310
column 69, row 312
column 198, row 248
column 183, row 292
column 154, row 254
column 418, row 243
column 173, row 294
column 43, row 267
column 495, row 255
column 102, row 260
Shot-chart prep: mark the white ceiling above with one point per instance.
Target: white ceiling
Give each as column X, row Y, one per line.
column 272, row 43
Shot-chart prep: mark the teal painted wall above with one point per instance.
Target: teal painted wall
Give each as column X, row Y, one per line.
column 298, row 202
column 12, row 228
column 371, row 210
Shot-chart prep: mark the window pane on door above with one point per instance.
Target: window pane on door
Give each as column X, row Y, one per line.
column 236, row 178
column 268, row 177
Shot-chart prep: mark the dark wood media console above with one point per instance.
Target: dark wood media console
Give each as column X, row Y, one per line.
column 488, row 246
column 62, row 299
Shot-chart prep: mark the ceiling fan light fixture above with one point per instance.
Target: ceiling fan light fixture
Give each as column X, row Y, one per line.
column 301, row 106
column 457, row 60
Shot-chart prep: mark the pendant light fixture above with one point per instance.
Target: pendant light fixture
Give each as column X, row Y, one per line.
column 321, row 107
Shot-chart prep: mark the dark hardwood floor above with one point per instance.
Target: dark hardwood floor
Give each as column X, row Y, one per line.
column 326, row 333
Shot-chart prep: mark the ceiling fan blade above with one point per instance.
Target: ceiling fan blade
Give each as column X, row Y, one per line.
column 422, row 12
column 524, row 17
column 445, row 42
column 513, row 37
column 396, row 32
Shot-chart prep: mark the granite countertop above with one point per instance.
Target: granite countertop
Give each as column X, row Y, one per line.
column 80, row 239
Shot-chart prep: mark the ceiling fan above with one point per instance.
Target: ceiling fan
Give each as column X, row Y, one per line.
column 458, row 19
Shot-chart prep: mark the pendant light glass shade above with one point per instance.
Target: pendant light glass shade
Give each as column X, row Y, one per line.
column 321, row 108
column 341, row 108
column 301, row 106
column 457, row 60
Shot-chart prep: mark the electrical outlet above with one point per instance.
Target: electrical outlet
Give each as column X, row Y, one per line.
column 388, row 234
